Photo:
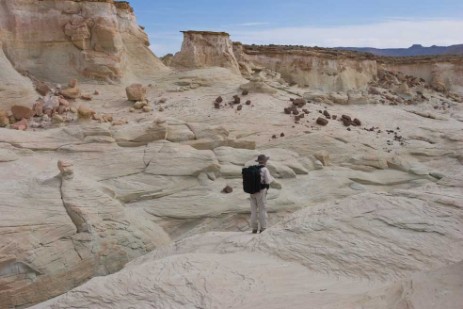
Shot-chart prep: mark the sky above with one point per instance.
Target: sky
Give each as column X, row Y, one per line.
column 324, row 23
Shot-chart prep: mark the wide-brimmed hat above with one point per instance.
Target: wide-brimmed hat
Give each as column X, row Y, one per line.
column 262, row 158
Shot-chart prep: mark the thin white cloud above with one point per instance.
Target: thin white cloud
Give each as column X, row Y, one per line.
column 252, row 24
column 387, row 34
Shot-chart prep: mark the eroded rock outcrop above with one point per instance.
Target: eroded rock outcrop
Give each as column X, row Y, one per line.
column 205, row 49
column 67, row 39
column 316, row 69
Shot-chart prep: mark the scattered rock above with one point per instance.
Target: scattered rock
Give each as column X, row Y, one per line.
column 120, row 122
column 240, row 107
column 326, row 114
column 248, row 102
column 140, row 104
column 346, row 120
column 4, row 120
column 227, row 190
column 219, row 100
column 96, row 92
column 356, row 122
column 21, row 112
column 21, row 125
column 85, row 112
column 136, row 92
column 282, row 135
column 42, row 88
column 37, row 108
column 245, row 92
column 299, row 102
column 147, row 109
column 72, row 91
column 322, row 121
column 274, row 136
column 236, row 99
column 86, row 97
column 56, row 118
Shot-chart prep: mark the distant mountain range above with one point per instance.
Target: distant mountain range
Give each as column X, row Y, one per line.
column 414, row 50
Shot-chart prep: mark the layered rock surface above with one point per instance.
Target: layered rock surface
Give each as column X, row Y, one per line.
column 365, row 210
column 352, row 253
column 60, row 40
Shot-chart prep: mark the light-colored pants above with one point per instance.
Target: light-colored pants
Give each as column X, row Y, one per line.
column 259, row 203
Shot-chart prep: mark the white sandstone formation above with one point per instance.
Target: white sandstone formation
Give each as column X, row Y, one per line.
column 90, row 40
column 205, row 49
column 112, row 206
column 371, row 250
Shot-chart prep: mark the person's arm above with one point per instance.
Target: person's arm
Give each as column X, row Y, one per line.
column 268, row 179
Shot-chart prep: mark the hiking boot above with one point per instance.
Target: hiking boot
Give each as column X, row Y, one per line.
column 254, row 231
column 262, row 229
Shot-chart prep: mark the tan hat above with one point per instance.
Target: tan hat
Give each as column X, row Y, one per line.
column 262, row 158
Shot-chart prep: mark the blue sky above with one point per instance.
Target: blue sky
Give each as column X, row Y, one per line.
column 327, row 23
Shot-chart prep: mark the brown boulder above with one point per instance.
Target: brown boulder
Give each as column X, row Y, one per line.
column 136, row 92
column 236, row 99
column 356, row 122
column 42, row 88
column 227, row 190
column 21, row 112
column 4, row 121
column 346, row 120
column 248, row 102
column 85, row 112
column 322, row 121
column 219, row 100
column 299, row 102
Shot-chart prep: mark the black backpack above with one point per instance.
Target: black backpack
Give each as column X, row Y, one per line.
column 251, row 179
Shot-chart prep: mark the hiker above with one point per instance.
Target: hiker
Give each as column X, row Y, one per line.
column 259, row 198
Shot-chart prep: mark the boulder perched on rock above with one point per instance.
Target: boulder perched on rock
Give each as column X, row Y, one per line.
column 136, row 92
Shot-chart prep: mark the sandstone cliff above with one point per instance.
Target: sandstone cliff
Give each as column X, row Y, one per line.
column 320, row 70
column 315, row 69
column 206, row 49
column 60, row 40
column 442, row 73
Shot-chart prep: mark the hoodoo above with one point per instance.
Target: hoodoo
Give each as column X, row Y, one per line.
column 206, row 49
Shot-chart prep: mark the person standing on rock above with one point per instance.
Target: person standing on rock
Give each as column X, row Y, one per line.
column 259, row 198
